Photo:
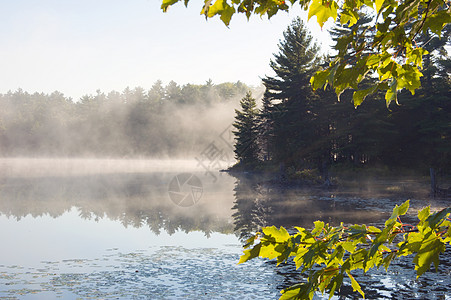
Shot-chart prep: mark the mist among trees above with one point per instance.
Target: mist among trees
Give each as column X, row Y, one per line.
column 165, row 121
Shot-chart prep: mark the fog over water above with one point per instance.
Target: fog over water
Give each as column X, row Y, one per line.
column 66, row 167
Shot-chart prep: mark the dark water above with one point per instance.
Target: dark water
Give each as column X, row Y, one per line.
column 112, row 229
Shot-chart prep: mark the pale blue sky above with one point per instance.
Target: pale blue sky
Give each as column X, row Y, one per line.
column 79, row 46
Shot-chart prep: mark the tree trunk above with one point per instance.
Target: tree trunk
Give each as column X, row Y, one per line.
column 433, row 182
column 325, row 173
column 282, row 172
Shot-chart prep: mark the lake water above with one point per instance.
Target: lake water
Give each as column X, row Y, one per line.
column 131, row 229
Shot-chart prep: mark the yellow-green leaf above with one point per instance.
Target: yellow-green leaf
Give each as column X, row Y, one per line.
column 424, row 213
column 319, row 79
column 166, row 3
column 391, row 94
column 319, row 225
column 428, row 253
column 222, row 8
column 323, row 10
column 250, row 254
column 355, row 285
column 360, row 95
column 379, row 4
column 280, row 235
column 269, row 251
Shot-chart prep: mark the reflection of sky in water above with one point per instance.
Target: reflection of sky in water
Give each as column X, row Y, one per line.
column 32, row 240
column 70, row 257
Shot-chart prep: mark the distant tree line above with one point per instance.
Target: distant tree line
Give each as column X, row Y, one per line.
column 169, row 121
column 300, row 129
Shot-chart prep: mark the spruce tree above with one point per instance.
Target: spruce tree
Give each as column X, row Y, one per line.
column 288, row 113
column 246, row 150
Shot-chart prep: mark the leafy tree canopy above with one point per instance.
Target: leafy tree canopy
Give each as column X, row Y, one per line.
column 391, row 54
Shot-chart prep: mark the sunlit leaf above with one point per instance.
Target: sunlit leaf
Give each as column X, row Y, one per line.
column 391, row 94
column 424, row 213
column 379, row 4
column 319, row 79
column 280, row 235
column 428, row 253
column 269, row 251
column 166, row 3
column 250, row 254
column 355, row 285
column 319, row 225
column 360, row 95
column 222, row 8
column 323, row 10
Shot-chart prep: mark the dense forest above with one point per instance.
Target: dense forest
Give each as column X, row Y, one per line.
column 164, row 121
column 299, row 129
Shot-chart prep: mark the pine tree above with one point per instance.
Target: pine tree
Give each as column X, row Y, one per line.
column 289, row 97
column 246, row 150
column 424, row 118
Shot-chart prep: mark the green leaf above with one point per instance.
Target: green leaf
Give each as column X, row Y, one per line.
column 435, row 219
column 424, row 213
column 416, row 57
column 279, row 235
column 299, row 259
column 292, row 292
column 319, row 79
column 250, row 241
column 269, row 251
column 319, row 225
column 398, row 211
column 323, row 10
column 387, row 260
column 250, row 254
column 373, row 60
column 355, row 285
column 335, row 284
column 391, row 94
column 428, row 253
column 437, row 21
column 350, row 246
column 222, row 8
column 402, row 210
column 350, row 16
column 166, row 3
column 379, row 4
column 409, row 78
column 360, row 95
column 374, row 229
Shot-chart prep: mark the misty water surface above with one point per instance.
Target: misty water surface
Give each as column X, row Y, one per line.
column 107, row 228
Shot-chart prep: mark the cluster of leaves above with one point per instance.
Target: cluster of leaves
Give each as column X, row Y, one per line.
column 392, row 54
column 330, row 253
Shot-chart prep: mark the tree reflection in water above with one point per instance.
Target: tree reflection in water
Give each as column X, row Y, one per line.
column 132, row 199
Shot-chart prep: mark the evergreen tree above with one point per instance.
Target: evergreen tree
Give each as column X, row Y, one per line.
column 246, row 150
column 424, row 118
column 287, row 116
